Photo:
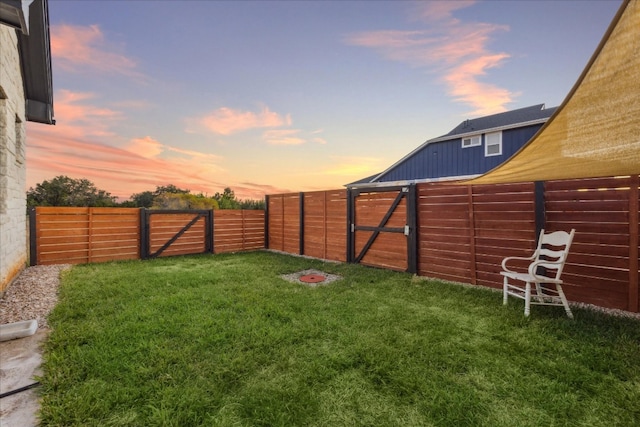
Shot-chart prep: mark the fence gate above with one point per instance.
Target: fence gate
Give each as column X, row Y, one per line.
column 172, row 232
column 382, row 227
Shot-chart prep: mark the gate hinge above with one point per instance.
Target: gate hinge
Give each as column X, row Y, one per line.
column 406, row 230
column 353, row 228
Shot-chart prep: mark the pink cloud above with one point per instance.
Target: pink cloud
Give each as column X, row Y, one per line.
column 120, row 171
column 441, row 10
column 146, row 147
column 78, row 118
column 456, row 51
column 79, row 147
column 283, row 137
column 255, row 191
column 77, row 48
column 227, row 121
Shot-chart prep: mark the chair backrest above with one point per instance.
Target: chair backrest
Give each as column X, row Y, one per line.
column 553, row 247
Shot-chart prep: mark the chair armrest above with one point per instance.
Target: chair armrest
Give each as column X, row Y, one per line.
column 534, row 266
column 504, row 261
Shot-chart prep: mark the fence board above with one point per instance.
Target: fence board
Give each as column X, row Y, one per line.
column 238, row 230
column 70, row 235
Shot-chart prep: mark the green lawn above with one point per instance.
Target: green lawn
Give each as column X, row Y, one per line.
column 222, row 340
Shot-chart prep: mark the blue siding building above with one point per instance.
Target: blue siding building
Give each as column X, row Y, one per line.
column 470, row 149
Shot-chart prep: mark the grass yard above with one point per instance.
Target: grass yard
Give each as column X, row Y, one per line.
column 222, row 340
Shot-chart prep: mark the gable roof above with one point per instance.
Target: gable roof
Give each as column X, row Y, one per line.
column 527, row 116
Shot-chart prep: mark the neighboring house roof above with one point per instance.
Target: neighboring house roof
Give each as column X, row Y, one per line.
column 31, row 19
column 507, row 120
column 535, row 114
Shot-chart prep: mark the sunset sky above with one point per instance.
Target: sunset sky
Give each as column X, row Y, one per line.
column 270, row 97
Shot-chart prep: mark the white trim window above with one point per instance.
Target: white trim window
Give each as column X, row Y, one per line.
column 493, row 144
column 471, row 141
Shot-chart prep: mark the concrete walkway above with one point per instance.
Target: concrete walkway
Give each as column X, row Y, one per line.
column 20, row 361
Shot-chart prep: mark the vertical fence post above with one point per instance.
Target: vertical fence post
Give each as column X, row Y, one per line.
column 541, row 212
column 90, row 234
column 301, row 234
column 33, row 245
column 350, row 219
column 283, row 234
column 266, row 221
column 324, row 225
column 144, row 234
column 412, row 238
column 210, row 233
column 634, row 218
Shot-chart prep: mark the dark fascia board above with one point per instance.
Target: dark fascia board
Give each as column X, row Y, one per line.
column 35, row 59
column 15, row 13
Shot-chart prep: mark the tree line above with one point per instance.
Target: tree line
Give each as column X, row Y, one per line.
column 65, row 191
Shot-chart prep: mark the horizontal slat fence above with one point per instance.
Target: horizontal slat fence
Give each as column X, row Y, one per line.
column 324, row 224
column 81, row 235
column 238, row 230
column 284, row 222
column 602, row 267
column 445, row 233
column 464, row 232
column 66, row 235
column 504, row 225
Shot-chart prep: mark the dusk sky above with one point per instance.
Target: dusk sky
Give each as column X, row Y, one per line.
column 270, row 97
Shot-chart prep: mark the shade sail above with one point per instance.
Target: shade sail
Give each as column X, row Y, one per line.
column 596, row 130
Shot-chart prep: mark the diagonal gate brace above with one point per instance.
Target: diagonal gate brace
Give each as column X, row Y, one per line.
column 177, row 236
column 381, row 226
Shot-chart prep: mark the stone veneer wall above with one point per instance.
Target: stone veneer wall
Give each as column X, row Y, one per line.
column 13, row 244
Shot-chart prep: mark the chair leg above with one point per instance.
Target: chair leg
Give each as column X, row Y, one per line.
column 565, row 302
column 504, row 290
column 527, row 299
column 539, row 291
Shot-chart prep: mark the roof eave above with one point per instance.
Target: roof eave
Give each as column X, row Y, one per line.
column 410, row 181
column 488, row 130
column 15, row 13
column 35, row 58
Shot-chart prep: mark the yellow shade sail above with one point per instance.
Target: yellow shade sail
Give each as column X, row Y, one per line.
column 596, row 130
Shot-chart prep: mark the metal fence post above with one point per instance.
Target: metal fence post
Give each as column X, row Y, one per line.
column 33, row 248
column 144, row 234
column 266, row 221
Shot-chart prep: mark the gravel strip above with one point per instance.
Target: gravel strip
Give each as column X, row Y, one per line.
column 32, row 295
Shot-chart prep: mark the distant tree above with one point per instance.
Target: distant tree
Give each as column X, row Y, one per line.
column 142, row 200
column 252, row 204
column 227, row 200
column 184, row 201
column 65, row 191
column 171, row 189
column 172, row 197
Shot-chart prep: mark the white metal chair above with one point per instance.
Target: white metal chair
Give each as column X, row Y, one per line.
column 544, row 271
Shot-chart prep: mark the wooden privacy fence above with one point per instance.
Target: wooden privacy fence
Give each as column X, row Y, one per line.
column 462, row 233
column 80, row 235
column 312, row 223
